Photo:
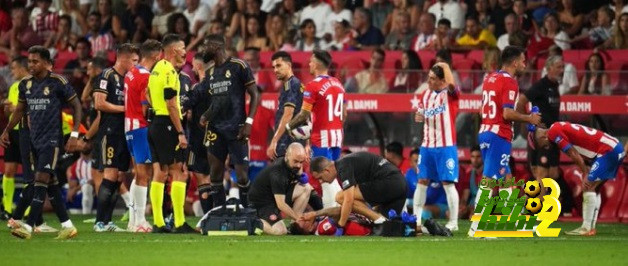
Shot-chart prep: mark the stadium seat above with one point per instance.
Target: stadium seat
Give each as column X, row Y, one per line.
column 350, row 67
column 466, row 71
column 477, row 56
column 573, row 177
column 427, row 58
column 617, row 77
column 62, row 60
column 612, row 193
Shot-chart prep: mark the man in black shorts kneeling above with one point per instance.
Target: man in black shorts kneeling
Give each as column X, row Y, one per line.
column 366, row 179
column 278, row 188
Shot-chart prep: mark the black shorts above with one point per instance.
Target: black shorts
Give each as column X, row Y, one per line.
column 45, row 158
column 97, row 153
column 164, row 142
column 28, row 166
column 387, row 193
column 197, row 154
column 115, row 152
column 546, row 158
column 221, row 144
column 269, row 213
column 12, row 152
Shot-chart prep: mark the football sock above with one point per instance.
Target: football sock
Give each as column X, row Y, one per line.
column 132, row 202
column 87, row 202
column 139, row 204
column 197, row 208
column 157, row 202
column 204, row 194
column 37, row 205
column 218, row 194
column 67, row 224
column 315, row 201
column 177, row 194
column 420, row 194
column 113, row 199
column 25, row 199
column 8, row 188
column 588, row 209
column 598, row 203
column 105, row 192
column 244, row 193
column 452, row 201
column 57, row 202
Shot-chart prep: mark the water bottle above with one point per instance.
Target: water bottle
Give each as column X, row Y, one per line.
column 534, row 110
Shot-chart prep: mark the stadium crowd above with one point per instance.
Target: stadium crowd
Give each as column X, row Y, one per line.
column 91, row 31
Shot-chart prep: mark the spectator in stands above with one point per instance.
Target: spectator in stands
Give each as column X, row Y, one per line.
column 619, row 39
column 159, row 24
column 253, row 36
column 197, row 14
column 595, row 79
column 63, row 40
column 308, row 40
column 380, row 11
column 569, row 84
column 444, row 36
column 5, row 16
column 426, row 37
column 540, row 8
column 450, row 10
column 499, row 13
column 338, row 13
column 78, row 21
column 288, row 8
column 47, row 21
column 101, row 41
column 400, row 7
column 619, row 7
column 262, row 78
column 227, row 12
column 408, row 77
column 107, row 17
column 475, row 38
column 85, row 7
column 76, row 69
column 370, row 80
column 178, row 24
column 290, row 43
column 21, row 36
column 604, row 28
column 402, row 36
column 277, row 33
column 442, row 56
column 369, row 37
column 135, row 23
column 551, row 30
column 524, row 19
column 80, row 180
column 412, row 177
column 570, row 17
column 512, row 26
column 469, row 183
column 317, row 11
column 252, row 9
column 342, row 36
column 482, row 12
column 394, row 154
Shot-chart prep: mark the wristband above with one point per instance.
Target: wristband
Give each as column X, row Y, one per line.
column 85, row 138
column 249, row 121
column 74, row 134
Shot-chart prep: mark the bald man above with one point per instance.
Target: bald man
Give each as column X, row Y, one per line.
column 278, row 189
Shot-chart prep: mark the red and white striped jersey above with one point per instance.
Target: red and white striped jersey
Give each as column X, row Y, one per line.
column 135, row 83
column 102, row 42
column 440, row 110
column 589, row 142
column 499, row 91
column 81, row 170
column 46, row 24
column 324, row 98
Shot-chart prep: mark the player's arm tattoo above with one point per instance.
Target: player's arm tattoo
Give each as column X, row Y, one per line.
column 255, row 99
column 78, row 113
column 300, row 119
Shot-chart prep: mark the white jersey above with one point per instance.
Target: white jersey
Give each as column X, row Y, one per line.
column 440, row 109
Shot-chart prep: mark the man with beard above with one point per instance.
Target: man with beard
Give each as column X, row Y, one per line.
column 278, row 189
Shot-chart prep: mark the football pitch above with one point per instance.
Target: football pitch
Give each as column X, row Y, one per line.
column 609, row 247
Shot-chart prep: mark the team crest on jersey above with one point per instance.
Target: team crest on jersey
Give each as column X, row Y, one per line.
column 117, row 79
column 228, row 74
column 29, row 84
column 450, row 164
column 46, row 91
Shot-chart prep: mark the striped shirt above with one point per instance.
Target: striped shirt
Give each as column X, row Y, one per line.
column 81, row 170
column 46, row 24
column 588, row 142
column 103, row 42
column 440, row 110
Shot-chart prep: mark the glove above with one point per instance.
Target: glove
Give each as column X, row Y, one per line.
column 304, row 179
column 339, row 231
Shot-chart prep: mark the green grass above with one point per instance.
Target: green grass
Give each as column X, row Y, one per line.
column 89, row 248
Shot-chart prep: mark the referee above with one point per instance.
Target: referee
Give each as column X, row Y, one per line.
column 166, row 137
column 545, row 94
